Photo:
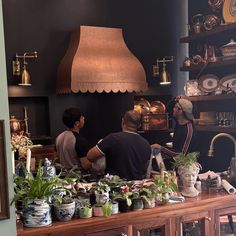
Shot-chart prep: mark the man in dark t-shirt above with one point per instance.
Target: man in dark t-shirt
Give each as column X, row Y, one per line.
column 184, row 139
column 126, row 152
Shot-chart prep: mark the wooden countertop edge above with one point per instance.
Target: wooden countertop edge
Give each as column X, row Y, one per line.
column 132, row 217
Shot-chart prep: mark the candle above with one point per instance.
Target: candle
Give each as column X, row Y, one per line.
column 13, row 161
column 28, row 160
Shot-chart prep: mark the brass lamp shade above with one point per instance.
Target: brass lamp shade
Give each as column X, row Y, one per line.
column 25, row 78
column 165, row 77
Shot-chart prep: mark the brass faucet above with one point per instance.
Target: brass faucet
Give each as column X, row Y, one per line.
column 211, row 149
column 232, row 168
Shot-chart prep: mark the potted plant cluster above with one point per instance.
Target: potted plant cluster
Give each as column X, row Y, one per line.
column 188, row 169
column 37, row 194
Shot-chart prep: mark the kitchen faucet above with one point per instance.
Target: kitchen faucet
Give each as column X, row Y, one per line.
column 232, row 169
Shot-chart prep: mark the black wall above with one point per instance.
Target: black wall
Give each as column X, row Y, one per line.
column 45, row 26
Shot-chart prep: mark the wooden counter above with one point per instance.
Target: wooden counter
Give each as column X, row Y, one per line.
column 170, row 217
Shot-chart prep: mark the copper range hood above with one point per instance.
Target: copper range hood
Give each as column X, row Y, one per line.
column 98, row 60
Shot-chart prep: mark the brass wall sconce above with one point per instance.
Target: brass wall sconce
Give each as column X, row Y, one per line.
column 16, row 66
column 164, row 75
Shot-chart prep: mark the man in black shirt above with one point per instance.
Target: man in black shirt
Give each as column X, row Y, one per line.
column 127, row 153
column 71, row 146
column 184, row 139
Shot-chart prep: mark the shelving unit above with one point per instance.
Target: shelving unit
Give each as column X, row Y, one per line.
column 206, row 34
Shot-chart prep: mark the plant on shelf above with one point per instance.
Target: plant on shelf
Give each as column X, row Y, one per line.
column 188, row 169
column 101, row 191
column 123, row 197
column 186, row 160
column 164, row 188
column 37, row 194
column 85, row 211
column 113, row 181
column 149, row 193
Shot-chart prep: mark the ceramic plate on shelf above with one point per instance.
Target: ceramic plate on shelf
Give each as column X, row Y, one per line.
column 208, row 83
column 230, row 81
column 158, row 107
column 142, row 106
column 229, row 11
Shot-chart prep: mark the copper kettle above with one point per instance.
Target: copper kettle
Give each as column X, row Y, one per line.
column 17, row 126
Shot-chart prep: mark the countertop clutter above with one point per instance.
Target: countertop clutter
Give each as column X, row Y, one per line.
column 207, row 213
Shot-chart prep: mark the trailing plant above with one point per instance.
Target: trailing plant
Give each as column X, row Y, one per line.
column 186, row 160
column 29, row 187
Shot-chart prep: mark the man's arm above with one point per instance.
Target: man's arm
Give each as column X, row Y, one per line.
column 94, row 153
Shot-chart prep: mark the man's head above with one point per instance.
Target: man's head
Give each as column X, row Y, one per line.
column 131, row 120
column 72, row 117
column 183, row 107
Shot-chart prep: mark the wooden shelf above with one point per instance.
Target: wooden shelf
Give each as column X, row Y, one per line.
column 205, row 34
column 220, row 129
column 220, row 63
column 212, row 97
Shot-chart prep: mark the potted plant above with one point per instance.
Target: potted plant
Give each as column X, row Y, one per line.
column 101, row 191
column 165, row 186
column 137, row 202
column 37, row 194
column 188, row 169
column 85, row 211
column 65, row 210
column 149, row 193
column 124, row 198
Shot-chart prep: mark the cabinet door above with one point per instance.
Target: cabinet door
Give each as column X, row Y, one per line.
column 160, row 227
column 122, row 231
column 225, row 221
column 197, row 224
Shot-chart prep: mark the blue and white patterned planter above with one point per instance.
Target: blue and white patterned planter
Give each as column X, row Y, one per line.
column 64, row 212
column 37, row 214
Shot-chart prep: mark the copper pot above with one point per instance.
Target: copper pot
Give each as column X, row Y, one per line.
column 17, row 126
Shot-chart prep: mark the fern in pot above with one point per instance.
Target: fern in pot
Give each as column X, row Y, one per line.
column 37, row 194
column 188, row 169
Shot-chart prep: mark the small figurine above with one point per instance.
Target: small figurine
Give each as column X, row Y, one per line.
column 48, row 170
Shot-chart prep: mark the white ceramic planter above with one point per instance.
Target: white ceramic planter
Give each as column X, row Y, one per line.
column 64, row 212
column 37, row 214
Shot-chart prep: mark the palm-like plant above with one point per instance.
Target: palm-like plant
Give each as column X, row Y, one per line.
column 28, row 188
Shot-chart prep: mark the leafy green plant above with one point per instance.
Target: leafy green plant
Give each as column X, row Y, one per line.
column 113, row 181
column 107, row 208
column 29, row 187
column 123, row 194
column 100, row 187
column 148, row 193
column 164, row 187
column 185, row 160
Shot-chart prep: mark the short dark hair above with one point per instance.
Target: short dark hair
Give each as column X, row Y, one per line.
column 132, row 119
column 70, row 116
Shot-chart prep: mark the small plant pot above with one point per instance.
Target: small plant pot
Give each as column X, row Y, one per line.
column 85, row 212
column 137, row 204
column 102, row 198
column 79, row 203
column 64, row 212
column 37, row 214
column 149, row 205
column 97, row 210
column 115, row 208
column 123, row 207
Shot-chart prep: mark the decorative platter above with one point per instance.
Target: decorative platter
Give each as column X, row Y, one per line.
column 229, row 11
column 142, row 106
column 208, row 83
column 157, row 107
column 228, row 81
